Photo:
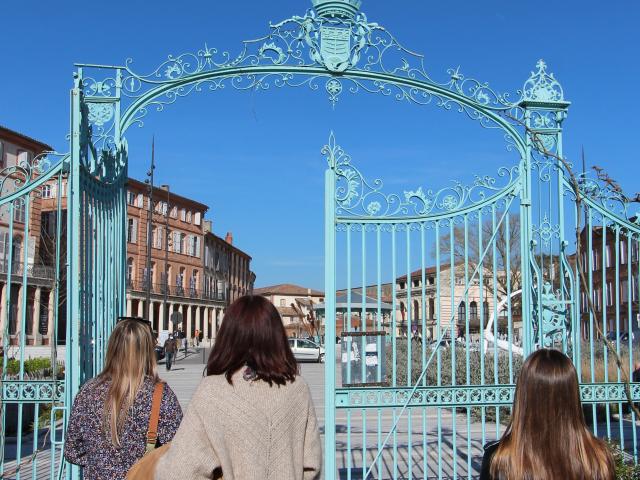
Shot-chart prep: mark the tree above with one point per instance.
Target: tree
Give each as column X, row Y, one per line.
column 505, row 243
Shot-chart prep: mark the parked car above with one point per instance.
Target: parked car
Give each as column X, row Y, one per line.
column 306, row 351
column 159, row 352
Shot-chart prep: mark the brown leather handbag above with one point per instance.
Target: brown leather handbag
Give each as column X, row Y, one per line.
column 144, row 469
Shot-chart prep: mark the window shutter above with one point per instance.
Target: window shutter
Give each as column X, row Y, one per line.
column 198, row 247
column 134, row 230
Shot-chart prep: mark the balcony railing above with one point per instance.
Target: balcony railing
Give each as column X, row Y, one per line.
column 33, row 271
column 174, row 291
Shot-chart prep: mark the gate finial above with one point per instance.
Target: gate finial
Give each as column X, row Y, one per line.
column 337, row 8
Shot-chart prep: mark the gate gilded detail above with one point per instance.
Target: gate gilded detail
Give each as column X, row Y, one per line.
column 434, row 296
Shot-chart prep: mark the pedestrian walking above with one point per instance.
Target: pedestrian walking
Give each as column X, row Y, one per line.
column 252, row 417
column 109, row 423
column 170, row 350
column 547, row 438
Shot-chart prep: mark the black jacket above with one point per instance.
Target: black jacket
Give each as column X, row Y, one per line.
column 489, row 449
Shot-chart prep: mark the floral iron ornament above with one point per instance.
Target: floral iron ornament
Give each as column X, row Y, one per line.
column 358, row 197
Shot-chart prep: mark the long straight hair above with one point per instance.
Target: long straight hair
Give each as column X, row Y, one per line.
column 252, row 335
column 130, row 358
column 548, row 438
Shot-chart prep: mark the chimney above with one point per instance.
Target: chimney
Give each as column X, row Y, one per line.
column 208, row 226
column 229, row 238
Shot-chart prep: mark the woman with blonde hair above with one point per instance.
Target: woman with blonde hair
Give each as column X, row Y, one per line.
column 109, row 422
column 252, row 417
column 547, row 438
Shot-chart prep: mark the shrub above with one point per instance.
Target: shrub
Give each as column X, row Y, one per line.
column 34, row 368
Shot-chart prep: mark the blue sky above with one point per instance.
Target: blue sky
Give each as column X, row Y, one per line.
column 254, row 158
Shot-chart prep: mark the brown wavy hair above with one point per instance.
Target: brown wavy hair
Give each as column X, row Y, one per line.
column 548, row 438
column 130, row 359
column 252, row 334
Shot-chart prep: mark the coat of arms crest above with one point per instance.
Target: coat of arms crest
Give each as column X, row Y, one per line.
column 335, row 48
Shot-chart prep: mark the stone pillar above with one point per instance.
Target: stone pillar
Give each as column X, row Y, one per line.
column 198, row 323
column 3, row 309
column 37, row 339
column 141, row 308
column 129, row 307
column 205, row 321
column 19, row 314
column 172, row 328
column 188, row 332
column 152, row 315
column 161, row 317
column 181, row 310
column 51, row 316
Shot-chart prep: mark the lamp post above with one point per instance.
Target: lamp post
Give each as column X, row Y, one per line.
column 166, row 259
column 149, row 182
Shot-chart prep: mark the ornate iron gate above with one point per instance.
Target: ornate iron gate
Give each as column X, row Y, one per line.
column 434, row 296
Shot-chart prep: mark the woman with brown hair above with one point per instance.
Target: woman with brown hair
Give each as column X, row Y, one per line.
column 252, row 416
column 108, row 426
column 547, row 438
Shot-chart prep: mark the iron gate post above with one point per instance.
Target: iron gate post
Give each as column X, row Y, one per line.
column 330, row 323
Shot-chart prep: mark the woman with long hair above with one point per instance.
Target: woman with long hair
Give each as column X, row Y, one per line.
column 547, row 438
column 252, row 416
column 107, row 430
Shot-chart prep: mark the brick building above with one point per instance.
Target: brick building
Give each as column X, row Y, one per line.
column 613, row 270
column 292, row 301
column 20, row 254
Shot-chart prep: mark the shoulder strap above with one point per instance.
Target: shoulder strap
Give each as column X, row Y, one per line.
column 152, row 432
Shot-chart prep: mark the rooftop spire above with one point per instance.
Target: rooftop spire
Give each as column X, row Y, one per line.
column 337, row 8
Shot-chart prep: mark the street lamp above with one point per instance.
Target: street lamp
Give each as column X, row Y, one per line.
column 166, row 259
column 149, row 182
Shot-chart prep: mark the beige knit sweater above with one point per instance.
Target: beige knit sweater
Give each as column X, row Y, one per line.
column 250, row 430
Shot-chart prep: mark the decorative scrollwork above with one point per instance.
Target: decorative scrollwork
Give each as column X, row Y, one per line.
column 22, row 175
column 606, row 195
column 334, row 42
column 542, row 86
column 358, row 197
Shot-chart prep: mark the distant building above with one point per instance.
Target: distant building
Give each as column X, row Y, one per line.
column 17, row 149
column 613, row 270
column 293, row 302
column 227, row 269
column 449, row 303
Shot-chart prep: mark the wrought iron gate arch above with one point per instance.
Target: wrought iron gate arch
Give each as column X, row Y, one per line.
column 334, row 48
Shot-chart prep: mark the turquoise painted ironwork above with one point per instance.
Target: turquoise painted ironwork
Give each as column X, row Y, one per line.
column 480, row 273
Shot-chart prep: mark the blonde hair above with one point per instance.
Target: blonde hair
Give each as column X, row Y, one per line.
column 130, row 359
column 548, row 438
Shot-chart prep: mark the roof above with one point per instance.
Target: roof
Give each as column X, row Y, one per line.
column 287, row 312
column 356, row 303
column 231, row 246
column 427, row 271
column 4, row 131
column 287, row 289
column 161, row 194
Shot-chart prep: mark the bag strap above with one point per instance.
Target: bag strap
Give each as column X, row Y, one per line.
column 152, row 432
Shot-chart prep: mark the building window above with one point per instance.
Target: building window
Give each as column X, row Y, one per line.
column 19, row 214
column 183, row 215
column 17, row 249
column 130, row 271
column 2, row 160
column 462, row 312
column 473, row 310
column 174, row 212
column 283, row 302
column 140, row 201
column 132, row 231
column 197, row 218
column 47, row 191
column 24, row 158
column 188, row 217
column 131, row 198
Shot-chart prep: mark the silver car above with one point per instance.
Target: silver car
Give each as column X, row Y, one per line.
column 306, row 351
